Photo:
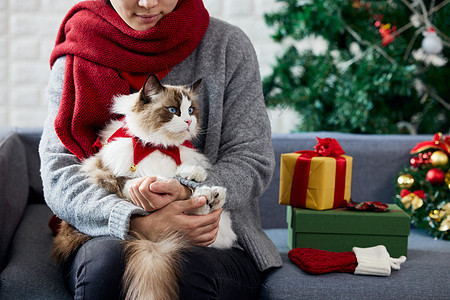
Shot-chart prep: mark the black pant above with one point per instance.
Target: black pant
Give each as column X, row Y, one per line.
column 95, row 272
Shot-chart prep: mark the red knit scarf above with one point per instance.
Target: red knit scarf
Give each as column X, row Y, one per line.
column 105, row 57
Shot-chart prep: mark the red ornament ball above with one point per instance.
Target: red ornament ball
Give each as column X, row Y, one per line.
column 435, row 176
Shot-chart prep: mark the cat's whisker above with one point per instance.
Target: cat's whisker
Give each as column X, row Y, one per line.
column 201, row 130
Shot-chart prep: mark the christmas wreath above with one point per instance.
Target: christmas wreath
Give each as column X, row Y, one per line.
column 423, row 186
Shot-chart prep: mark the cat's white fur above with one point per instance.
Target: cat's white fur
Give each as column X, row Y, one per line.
column 117, row 157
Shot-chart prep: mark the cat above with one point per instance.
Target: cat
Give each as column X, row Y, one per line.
column 166, row 116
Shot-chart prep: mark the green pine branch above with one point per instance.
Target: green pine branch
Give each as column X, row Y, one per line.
column 369, row 92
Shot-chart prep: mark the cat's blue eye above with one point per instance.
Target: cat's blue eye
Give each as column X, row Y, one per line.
column 172, row 109
column 190, row 110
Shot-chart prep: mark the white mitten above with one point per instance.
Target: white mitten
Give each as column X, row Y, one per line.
column 376, row 261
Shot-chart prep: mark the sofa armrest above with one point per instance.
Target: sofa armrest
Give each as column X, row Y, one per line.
column 14, row 189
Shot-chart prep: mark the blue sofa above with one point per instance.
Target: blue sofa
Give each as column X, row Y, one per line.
column 28, row 271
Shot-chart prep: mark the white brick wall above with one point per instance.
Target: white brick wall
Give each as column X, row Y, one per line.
column 28, row 30
column 27, row 34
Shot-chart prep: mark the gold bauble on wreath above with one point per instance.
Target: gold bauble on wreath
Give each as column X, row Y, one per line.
column 438, row 158
column 405, row 181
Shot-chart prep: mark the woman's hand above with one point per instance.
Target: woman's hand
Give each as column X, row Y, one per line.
column 200, row 230
column 152, row 195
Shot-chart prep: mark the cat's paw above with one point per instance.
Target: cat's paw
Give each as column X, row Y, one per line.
column 215, row 197
column 219, row 194
column 190, row 172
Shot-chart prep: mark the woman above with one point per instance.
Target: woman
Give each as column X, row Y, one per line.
column 105, row 48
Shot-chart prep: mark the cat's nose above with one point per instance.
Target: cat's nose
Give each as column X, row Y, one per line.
column 188, row 122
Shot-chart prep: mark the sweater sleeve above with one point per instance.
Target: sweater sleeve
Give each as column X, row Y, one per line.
column 68, row 192
column 244, row 161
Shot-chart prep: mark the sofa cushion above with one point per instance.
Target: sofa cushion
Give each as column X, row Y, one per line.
column 13, row 190
column 30, row 138
column 424, row 275
column 31, row 272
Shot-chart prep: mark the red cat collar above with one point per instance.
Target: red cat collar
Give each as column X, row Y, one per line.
column 142, row 150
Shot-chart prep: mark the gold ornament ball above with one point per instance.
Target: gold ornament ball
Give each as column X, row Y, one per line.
column 405, row 181
column 438, row 158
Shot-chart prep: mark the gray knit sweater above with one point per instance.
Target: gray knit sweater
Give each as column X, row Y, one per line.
column 235, row 136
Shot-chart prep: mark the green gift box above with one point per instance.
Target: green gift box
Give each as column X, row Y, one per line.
column 340, row 230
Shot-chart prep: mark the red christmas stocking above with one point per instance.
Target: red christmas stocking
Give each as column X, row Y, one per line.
column 317, row 261
column 365, row 261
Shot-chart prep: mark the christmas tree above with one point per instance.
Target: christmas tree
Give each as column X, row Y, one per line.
column 423, row 186
column 382, row 68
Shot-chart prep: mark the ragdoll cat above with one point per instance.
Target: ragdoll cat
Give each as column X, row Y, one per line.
column 166, row 116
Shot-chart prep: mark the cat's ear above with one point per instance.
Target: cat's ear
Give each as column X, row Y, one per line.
column 195, row 85
column 151, row 87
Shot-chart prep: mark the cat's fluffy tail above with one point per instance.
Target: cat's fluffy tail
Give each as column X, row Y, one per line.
column 153, row 267
column 67, row 241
